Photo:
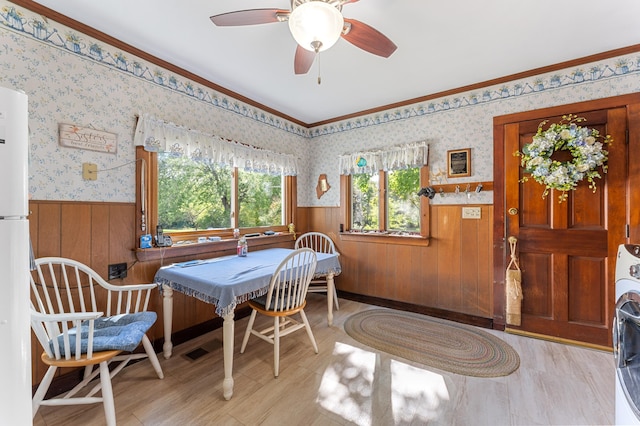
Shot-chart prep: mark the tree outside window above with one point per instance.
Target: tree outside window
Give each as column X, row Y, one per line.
column 403, row 202
column 195, row 195
column 364, row 201
column 192, row 194
column 260, row 197
column 400, row 210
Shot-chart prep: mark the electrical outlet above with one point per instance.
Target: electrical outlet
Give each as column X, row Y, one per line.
column 117, row 270
column 471, row 212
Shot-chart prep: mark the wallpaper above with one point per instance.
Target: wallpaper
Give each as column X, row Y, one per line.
column 73, row 79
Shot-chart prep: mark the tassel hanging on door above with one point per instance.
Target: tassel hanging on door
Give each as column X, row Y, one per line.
column 513, row 287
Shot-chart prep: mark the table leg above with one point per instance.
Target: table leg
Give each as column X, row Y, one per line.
column 167, row 314
column 227, row 342
column 330, row 287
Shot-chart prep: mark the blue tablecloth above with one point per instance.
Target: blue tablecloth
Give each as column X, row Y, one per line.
column 230, row 280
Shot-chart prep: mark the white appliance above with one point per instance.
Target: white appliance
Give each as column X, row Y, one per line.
column 15, row 328
column 626, row 335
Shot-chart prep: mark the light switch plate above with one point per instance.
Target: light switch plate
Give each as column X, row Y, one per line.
column 471, row 212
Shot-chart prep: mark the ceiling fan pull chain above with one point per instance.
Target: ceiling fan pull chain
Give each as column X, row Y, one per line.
column 319, row 79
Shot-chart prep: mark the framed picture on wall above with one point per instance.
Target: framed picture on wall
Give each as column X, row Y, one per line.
column 459, row 163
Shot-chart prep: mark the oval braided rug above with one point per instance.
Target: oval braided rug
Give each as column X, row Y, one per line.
column 447, row 345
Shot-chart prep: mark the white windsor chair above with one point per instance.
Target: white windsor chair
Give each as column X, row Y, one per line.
column 286, row 296
column 71, row 300
column 320, row 243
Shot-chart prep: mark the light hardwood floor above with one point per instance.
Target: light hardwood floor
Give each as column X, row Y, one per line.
column 348, row 383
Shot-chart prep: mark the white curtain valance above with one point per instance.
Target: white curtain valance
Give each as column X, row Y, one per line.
column 391, row 158
column 157, row 135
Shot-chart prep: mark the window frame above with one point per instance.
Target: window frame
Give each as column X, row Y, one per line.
column 384, row 236
column 150, row 159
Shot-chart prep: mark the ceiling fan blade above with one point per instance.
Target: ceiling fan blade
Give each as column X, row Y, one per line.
column 303, row 60
column 249, row 17
column 368, row 38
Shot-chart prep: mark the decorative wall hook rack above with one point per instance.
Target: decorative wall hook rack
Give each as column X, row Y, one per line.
column 464, row 188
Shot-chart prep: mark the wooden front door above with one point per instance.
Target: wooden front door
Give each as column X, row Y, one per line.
column 567, row 250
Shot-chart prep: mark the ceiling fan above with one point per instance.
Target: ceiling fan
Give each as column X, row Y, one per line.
column 315, row 25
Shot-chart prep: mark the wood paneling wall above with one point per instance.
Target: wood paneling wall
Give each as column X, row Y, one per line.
column 453, row 273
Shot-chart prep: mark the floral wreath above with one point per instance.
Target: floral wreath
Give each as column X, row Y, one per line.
column 587, row 151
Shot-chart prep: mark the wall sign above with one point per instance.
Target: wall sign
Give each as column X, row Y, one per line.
column 88, row 138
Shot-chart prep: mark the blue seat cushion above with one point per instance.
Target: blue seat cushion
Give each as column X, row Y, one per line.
column 262, row 301
column 120, row 332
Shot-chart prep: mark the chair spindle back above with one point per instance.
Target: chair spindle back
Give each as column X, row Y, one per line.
column 290, row 282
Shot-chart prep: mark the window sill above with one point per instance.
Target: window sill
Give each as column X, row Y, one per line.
column 374, row 238
column 215, row 248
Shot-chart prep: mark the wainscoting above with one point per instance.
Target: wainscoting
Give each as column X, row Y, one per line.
column 453, row 273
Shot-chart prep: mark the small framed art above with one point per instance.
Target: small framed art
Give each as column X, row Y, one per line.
column 459, row 163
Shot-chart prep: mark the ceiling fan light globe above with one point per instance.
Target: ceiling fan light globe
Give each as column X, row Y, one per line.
column 316, row 21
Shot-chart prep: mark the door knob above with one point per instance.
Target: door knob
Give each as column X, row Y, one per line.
column 513, row 211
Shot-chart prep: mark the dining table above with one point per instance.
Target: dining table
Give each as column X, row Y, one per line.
column 227, row 282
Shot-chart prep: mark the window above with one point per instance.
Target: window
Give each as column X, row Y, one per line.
column 403, row 202
column 386, row 201
column 196, row 195
column 260, row 199
column 192, row 195
column 365, row 192
column 380, row 192
column 196, row 185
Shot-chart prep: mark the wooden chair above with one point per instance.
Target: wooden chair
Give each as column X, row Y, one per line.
column 286, row 297
column 320, row 243
column 69, row 299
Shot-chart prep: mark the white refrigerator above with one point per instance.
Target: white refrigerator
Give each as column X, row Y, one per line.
column 15, row 329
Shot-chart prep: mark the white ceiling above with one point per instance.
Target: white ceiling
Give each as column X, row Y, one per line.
column 442, row 45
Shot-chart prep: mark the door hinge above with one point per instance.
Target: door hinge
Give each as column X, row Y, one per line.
column 627, row 231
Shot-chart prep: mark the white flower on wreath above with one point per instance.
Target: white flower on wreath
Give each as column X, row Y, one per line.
column 587, row 154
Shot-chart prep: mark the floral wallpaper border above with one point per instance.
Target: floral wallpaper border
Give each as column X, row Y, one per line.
column 62, row 37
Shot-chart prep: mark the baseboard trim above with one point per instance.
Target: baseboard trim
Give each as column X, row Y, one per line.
column 557, row 339
column 419, row 309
